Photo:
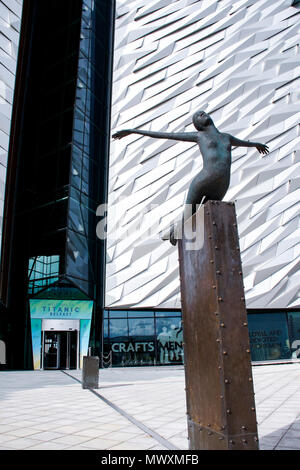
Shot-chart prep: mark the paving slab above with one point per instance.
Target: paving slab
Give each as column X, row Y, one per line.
column 133, row 408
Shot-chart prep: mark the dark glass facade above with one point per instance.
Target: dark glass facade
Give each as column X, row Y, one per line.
column 57, row 167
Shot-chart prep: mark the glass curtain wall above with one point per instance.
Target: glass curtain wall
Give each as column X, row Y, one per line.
column 59, row 159
column 269, row 337
column 90, row 137
column 39, row 160
column 85, row 253
column 143, row 338
column 137, row 338
column 274, row 335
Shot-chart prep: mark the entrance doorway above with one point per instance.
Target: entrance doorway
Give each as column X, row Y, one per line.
column 60, row 349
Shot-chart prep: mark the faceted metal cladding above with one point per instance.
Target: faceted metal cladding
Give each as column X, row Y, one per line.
column 219, row 386
column 239, row 61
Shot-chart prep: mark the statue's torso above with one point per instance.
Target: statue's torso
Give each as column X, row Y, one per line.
column 216, row 153
column 214, row 178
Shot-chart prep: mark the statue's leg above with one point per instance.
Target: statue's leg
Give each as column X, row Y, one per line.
column 176, row 229
column 191, row 207
column 196, row 196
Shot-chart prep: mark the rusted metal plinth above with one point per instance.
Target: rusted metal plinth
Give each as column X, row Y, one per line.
column 219, row 387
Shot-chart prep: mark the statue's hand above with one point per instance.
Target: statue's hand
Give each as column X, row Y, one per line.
column 262, row 148
column 120, row 134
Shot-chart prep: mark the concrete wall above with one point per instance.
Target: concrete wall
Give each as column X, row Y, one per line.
column 10, row 20
column 239, row 60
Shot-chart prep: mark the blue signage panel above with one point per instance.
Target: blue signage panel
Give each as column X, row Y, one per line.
column 66, row 309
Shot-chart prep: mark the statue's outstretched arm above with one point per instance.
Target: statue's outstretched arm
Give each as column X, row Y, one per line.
column 183, row 136
column 262, row 148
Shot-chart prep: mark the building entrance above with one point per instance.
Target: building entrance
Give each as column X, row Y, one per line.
column 60, row 332
column 60, row 350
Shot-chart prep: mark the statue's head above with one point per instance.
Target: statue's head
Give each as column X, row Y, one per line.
column 201, row 119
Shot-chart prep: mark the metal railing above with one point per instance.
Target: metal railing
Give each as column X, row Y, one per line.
column 106, row 360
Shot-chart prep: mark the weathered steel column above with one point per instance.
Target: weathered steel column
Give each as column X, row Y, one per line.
column 219, row 387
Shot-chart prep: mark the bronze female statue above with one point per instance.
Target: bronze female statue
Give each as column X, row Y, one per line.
column 212, row 182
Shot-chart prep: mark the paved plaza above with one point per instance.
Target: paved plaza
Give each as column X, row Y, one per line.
column 134, row 408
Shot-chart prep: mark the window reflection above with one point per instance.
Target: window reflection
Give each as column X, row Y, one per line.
column 294, row 333
column 117, row 314
column 138, row 340
column 268, row 335
column 168, row 314
column 136, row 313
column 169, row 340
column 118, row 328
column 141, row 327
column 105, row 328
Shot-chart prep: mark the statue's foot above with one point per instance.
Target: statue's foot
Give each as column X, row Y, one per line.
column 169, row 235
column 172, row 238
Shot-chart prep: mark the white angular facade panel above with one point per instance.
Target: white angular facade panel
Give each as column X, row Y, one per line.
column 238, row 60
column 10, row 23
